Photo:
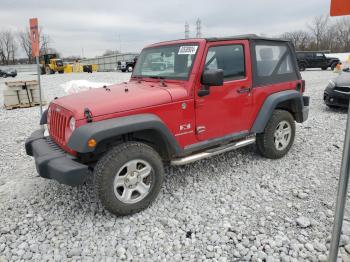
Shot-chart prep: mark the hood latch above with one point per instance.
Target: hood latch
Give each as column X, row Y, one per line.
column 88, row 115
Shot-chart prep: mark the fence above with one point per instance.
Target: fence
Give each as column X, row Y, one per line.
column 108, row 63
column 21, row 68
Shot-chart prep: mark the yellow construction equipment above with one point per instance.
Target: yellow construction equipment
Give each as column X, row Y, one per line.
column 50, row 64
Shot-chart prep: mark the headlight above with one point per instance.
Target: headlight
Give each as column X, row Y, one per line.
column 331, row 84
column 72, row 123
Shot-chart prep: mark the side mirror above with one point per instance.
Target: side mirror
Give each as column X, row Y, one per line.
column 213, row 77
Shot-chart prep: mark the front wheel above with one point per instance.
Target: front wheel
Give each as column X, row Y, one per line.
column 128, row 178
column 278, row 135
column 130, row 68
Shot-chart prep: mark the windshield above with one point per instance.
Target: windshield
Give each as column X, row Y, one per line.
column 59, row 62
column 166, row 62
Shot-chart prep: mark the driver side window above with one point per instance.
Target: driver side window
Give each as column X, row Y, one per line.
column 230, row 58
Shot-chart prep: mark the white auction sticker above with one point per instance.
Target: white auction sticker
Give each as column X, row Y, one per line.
column 187, row 50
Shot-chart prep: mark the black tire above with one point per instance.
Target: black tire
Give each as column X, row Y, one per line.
column 123, row 70
column 60, row 72
column 266, row 141
column 302, row 67
column 108, row 168
column 324, row 68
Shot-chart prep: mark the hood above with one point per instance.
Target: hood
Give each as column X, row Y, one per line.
column 332, row 58
column 343, row 79
column 119, row 98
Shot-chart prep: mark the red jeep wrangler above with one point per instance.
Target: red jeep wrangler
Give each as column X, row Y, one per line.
column 186, row 100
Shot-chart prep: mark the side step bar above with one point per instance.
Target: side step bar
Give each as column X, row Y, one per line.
column 212, row 152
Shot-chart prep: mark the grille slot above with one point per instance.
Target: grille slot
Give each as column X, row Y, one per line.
column 58, row 124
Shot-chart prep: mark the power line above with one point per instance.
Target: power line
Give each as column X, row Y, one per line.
column 199, row 28
column 187, row 30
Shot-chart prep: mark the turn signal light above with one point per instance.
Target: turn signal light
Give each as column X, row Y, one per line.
column 92, row 143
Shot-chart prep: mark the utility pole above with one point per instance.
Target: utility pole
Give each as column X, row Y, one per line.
column 120, row 44
column 199, row 28
column 187, row 30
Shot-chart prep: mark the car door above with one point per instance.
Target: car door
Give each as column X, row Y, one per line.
column 319, row 60
column 226, row 109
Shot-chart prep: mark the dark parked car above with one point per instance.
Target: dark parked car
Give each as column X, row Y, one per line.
column 8, row 72
column 338, row 91
column 127, row 66
column 315, row 60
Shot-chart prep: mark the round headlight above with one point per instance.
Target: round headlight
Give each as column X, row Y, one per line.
column 72, row 123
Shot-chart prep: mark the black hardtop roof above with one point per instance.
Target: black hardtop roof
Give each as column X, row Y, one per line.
column 312, row 51
column 244, row 37
column 227, row 38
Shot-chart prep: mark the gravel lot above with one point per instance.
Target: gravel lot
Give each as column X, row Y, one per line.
column 237, row 206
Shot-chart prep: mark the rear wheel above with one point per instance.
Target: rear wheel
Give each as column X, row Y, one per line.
column 324, row 68
column 302, row 67
column 128, row 178
column 278, row 135
column 48, row 71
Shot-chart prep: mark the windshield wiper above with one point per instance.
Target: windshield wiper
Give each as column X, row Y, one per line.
column 157, row 77
column 161, row 79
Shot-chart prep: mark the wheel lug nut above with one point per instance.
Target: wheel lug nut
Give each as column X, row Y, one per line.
column 126, row 180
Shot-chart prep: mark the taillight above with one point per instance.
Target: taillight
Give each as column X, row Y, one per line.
column 301, row 86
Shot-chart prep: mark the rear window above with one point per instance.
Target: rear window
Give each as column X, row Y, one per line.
column 274, row 63
column 273, row 60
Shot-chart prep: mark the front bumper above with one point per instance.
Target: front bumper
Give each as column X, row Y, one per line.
column 334, row 98
column 53, row 163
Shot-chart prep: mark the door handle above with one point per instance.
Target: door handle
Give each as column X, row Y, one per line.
column 243, row 89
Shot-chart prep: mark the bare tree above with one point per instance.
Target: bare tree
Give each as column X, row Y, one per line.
column 25, row 43
column 342, row 34
column 300, row 39
column 8, row 46
column 110, row 52
column 45, row 41
column 318, row 29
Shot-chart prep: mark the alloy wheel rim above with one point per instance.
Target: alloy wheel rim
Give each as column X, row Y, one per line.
column 133, row 181
column 282, row 135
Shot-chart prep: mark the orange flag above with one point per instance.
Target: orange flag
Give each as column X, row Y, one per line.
column 34, row 36
column 340, row 7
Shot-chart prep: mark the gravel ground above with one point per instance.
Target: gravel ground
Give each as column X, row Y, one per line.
column 237, row 206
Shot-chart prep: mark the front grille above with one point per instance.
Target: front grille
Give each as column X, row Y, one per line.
column 345, row 89
column 58, row 122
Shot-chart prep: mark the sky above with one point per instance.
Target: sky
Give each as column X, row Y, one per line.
column 78, row 27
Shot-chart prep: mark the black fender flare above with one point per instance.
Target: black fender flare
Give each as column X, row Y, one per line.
column 115, row 127
column 43, row 118
column 271, row 103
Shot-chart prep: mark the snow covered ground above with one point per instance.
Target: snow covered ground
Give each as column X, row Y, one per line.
column 237, row 206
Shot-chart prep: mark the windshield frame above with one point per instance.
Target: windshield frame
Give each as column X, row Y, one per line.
column 169, row 77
